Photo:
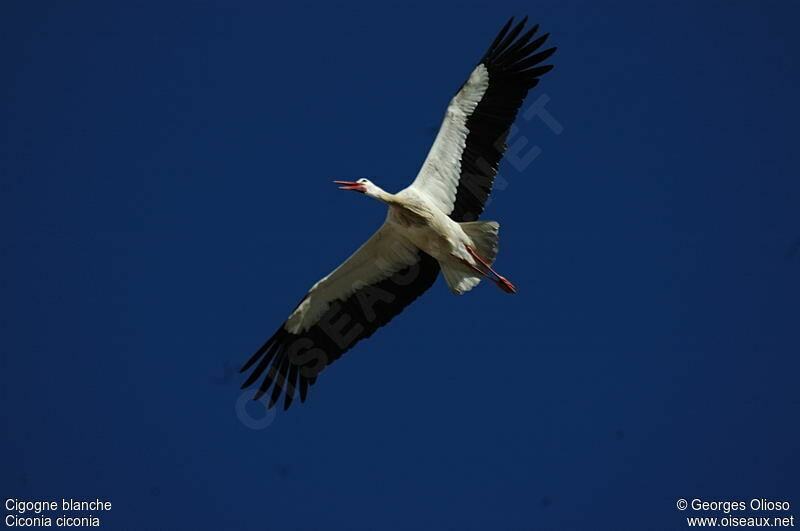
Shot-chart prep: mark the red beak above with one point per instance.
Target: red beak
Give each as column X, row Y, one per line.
column 350, row 185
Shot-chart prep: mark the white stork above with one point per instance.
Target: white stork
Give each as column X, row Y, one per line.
column 431, row 225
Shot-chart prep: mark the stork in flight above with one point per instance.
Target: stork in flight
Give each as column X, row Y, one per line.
column 431, row 225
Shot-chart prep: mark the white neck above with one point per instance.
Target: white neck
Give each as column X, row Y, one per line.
column 379, row 193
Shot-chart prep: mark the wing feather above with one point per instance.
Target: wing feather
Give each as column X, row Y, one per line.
column 460, row 168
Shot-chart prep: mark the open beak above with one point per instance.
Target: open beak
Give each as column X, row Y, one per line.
column 350, row 185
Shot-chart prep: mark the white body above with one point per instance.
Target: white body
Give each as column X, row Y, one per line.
column 414, row 222
column 444, row 239
column 437, row 235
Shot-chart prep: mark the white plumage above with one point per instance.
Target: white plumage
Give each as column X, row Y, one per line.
column 438, row 178
column 430, row 225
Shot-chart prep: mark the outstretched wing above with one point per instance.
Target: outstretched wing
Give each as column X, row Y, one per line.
column 462, row 163
column 376, row 283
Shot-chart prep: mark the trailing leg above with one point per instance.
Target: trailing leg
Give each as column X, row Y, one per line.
column 502, row 282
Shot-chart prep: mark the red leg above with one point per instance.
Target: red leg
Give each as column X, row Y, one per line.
column 502, row 282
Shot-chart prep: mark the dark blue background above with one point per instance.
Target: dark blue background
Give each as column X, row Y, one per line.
column 166, row 200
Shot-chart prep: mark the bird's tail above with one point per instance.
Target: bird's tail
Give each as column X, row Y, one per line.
column 462, row 278
column 484, row 234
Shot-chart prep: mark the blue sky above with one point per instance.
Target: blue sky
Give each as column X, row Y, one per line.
column 166, row 201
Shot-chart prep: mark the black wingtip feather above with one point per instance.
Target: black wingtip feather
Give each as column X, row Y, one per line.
column 539, row 71
column 512, row 52
column 257, row 354
column 536, row 59
column 303, row 388
column 500, row 35
column 524, row 51
column 262, row 365
column 518, row 45
column 291, row 386
column 512, row 35
column 279, row 383
column 268, row 379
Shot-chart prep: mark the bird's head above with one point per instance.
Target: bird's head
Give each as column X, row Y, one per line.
column 365, row 186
